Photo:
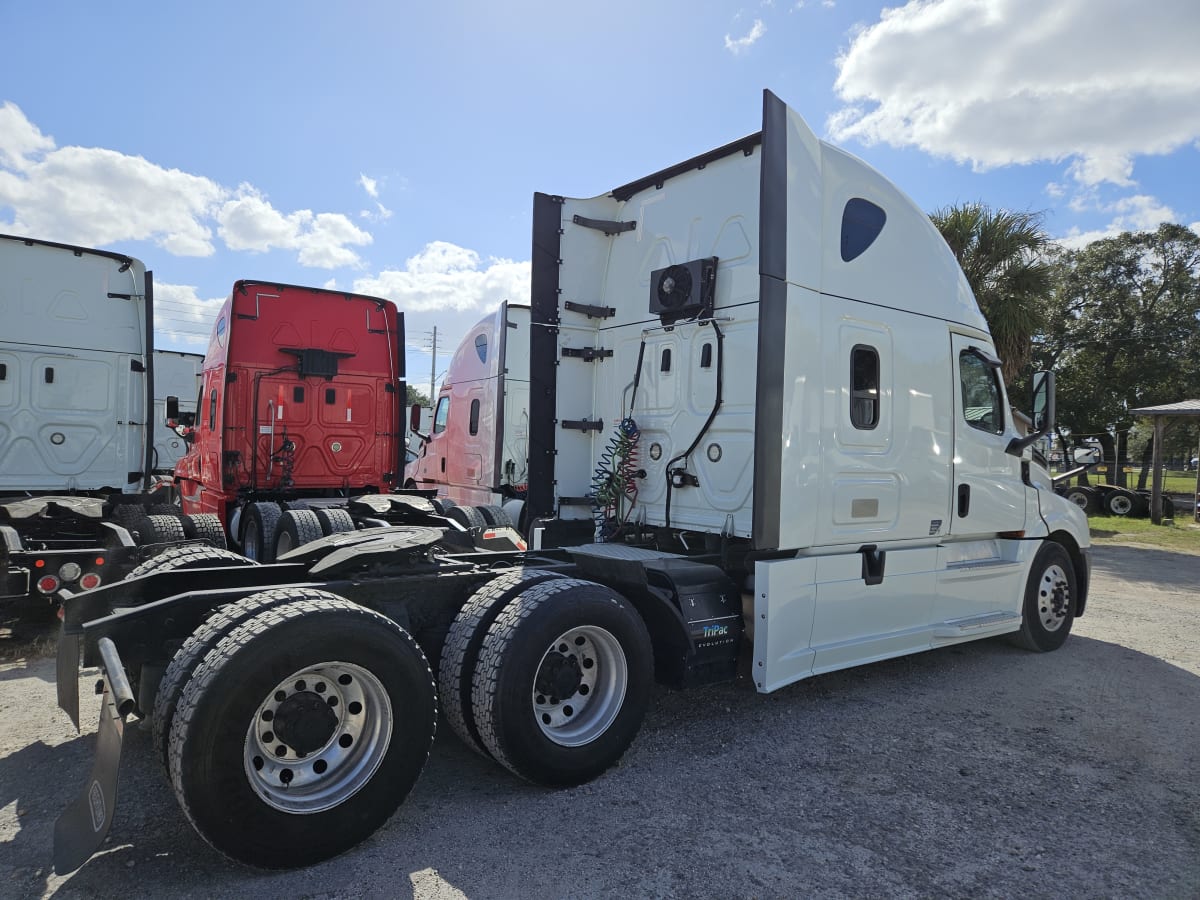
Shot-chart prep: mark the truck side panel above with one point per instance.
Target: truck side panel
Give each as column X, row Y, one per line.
column 72, row 368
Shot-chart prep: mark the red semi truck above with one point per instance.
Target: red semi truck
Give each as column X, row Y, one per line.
column 301, row 409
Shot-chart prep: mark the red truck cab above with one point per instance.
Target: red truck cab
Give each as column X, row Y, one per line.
column 302, row 397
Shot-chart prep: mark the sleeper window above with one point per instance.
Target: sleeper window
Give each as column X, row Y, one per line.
column 981, row 397
column 474, row 424
column 212, row 411
column 864, row 387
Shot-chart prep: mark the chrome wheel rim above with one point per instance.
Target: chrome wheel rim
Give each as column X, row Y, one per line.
column 1054, row 598
column 318, row 737
column 580, row 686
column 1079, row 499
column 1120, row 505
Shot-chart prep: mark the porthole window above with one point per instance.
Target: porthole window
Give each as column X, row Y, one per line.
column 862, row 221
column 481, row 347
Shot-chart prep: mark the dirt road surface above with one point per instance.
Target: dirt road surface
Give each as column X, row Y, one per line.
column 980, row 770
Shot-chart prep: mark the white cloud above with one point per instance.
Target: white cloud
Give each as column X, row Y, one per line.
column 370, row 185
column 181, row 315
column 95, row 197
column 1139, row 212
column 1096, row 82
column 446, row 277
column 745, row 42
column 19, row 138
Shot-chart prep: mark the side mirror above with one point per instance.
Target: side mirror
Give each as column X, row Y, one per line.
column 1085, row 456
column 187, row 418
column 1042, row 403
column 173, row 409
column 414, row 417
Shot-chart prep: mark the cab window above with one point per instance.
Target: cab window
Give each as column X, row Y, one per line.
column 441, row 415
column 981, row 395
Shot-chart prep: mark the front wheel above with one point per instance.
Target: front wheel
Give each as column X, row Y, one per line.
column 562, row 681
column 302, row 731
column 1050, row 600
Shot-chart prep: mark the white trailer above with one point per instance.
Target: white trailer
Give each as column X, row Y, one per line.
column 78, row 418
column 767, row 434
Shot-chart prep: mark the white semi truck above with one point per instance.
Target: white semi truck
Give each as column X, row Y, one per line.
column 80, row 439
column 767, row 434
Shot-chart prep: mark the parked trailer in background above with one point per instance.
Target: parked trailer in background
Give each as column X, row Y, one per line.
column 176, row 375
column 77, row 449
column 476, row 450
column 856, row 492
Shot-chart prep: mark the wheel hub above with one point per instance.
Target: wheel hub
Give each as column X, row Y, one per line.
column 317, row 738
column 579, row 686
column 559, row 676
column 305, row 722
column 1054, row 598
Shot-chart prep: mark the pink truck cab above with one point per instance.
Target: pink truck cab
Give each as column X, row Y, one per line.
column 476, row 450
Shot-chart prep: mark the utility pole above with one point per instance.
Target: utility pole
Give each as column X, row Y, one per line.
column 433, row 365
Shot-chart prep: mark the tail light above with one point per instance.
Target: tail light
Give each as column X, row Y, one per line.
column 47, row 584
column 69, row 572
column 90, row 581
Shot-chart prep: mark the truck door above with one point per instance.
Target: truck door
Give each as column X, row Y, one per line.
column 989, row 496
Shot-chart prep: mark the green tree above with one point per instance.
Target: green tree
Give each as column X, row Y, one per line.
column 415, row 396
column 1122, row 330
column 1004, row 257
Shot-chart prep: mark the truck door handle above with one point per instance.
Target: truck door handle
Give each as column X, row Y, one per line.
column 964, row 499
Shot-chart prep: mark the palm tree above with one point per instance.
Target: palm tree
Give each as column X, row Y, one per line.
column 1004, row 256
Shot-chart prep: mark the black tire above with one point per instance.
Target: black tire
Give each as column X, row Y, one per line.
column 519, row 651
column 205, row 527
column 128, row 515
column 495, row 516
column 190, row 556
column 154, row 529
column 214, row 751
column 466, row 516
column 165, row 509
column 1084, row 497
column 334, row 521
column 442, row 505
column 210, row 633
column 1120, row 502
column 296, row 528
column 460, row 652
column 1051, row 598
column 259, row 524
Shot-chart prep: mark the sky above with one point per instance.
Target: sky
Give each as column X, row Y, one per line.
column 393, row 149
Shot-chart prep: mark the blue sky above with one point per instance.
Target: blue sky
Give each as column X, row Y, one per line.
column 394, row 149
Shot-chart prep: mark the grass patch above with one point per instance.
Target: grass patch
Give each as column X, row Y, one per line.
column 1182, row 534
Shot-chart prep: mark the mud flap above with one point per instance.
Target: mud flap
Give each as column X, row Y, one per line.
column 83, row 826
column 66, row 675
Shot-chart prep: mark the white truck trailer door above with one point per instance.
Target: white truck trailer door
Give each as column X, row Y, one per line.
column 989, row 496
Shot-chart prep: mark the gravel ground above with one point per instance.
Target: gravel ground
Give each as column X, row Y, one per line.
column 979, row 770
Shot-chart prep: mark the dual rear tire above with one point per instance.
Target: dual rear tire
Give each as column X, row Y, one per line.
column 559, row 673
column 301, row 729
